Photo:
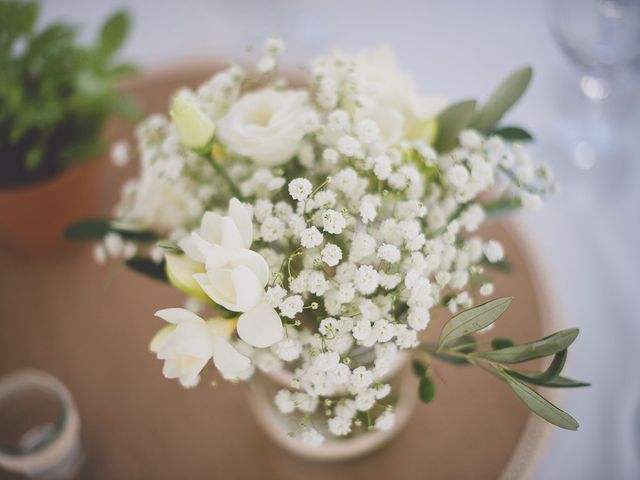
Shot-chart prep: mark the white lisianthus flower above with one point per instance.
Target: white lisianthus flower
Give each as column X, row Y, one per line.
column 194, row 127
column 266, row 126
column 190, row 342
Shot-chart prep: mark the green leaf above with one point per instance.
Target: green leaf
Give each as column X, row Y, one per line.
column 114, row 32
column 502, row 99
column 426, row 389
column 419, row 368
column 513, row 134
column 123, row 70
column 451, row 122
column 472, row 320
column 33, row 158
column 551, row 376
column 502, row 206
column 528, row 351
column 17, row 18
column 148, row 267
column 500, row 342
column 97, row 228
column 558, row 382
column 91, row 229
column 540, row 405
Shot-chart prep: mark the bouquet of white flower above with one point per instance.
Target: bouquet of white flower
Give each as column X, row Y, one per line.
column 316, row 230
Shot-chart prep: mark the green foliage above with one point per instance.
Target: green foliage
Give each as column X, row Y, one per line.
column 419, row 368
column 148, row 267
column 529, row 351
column 55, row 95
column 426, row 389
column 501, row 342
column 502, row 206
column 502, row 99
column 472, row 320
column 540, row 405
column 514, row 134
column 97, row 228
column 467, row 114
column 451, row 122
column 457, row 345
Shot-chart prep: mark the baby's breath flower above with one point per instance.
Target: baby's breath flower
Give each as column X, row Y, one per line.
column 291, row 306
column 331, row 254
column 333, row 222
column 311, row 237
column 493, row 251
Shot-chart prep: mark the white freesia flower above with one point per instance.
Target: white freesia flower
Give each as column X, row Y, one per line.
column 234, row 230
column 234, row 276
column 267, row 126
column 190, row 342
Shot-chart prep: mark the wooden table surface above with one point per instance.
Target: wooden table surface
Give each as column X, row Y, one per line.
column 91, row 325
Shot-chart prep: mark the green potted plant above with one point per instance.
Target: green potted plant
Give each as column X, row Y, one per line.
column 55, row 97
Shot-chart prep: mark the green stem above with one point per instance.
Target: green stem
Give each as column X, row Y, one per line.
column 225, row 176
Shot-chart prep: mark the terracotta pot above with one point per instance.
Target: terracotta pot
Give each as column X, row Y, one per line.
column 34, row 217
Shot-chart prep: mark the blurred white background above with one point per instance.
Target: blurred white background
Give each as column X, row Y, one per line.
column 589, row 234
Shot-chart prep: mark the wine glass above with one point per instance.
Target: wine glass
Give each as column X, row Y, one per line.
column 602, row 38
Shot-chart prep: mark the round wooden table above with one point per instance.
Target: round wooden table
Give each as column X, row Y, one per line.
column 91, row 325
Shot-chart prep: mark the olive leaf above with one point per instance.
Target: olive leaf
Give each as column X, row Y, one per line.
column 558, row 382
column 472, row 320
column 551, row 376
column 540, row 405
column 419, row 368
column 451, row 122
column 501, row 342
column 502, row 99
column 502, row 206
column 426, row 389
column 528, row 351
column 513, row 133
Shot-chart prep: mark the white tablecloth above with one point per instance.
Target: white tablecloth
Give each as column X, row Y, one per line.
column 462, row 49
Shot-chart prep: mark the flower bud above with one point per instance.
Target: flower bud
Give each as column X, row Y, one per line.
column 194, row 127
column 180, row 270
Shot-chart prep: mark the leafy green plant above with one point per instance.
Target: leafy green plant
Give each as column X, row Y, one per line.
column 458, row 346
column 55, row 94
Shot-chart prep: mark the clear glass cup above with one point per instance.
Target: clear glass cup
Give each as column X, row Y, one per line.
column 602, row 39
column 39, row 427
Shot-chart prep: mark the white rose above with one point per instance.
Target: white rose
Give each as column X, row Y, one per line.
column 190, row 342
column 266, row 126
